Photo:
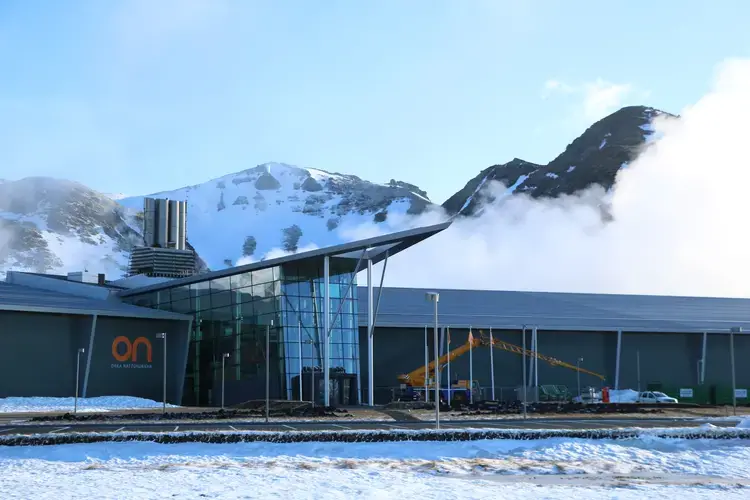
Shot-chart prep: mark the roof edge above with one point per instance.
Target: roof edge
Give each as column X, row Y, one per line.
column 416, row 234
column 146, row 314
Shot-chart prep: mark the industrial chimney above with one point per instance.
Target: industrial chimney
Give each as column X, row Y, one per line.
column 164, row 252
column 164, row 223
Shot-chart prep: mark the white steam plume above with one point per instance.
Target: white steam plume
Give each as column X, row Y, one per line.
column 680, row 220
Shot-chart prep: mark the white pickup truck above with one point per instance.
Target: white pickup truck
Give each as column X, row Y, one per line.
column 655, row 397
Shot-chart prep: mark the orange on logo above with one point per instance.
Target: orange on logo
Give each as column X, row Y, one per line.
column 131, row 351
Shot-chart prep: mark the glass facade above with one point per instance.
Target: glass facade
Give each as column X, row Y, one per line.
column 233, row 314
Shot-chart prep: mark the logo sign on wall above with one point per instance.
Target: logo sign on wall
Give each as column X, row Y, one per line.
column 129, row 354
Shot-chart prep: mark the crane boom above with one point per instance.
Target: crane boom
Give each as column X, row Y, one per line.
column 506, row 346
column 416, row 378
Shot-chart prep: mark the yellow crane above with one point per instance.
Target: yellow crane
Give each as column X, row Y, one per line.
column 417, row 378
column 507, row 346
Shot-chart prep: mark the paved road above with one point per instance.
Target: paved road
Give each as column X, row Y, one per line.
column 14, row 428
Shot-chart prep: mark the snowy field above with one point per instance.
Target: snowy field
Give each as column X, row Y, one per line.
column 640, row 468
column 100, row 404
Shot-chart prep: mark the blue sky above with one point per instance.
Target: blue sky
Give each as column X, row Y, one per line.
column 145, row 95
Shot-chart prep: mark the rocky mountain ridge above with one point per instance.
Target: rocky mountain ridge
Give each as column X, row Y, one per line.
column 52, row 225
column 594, row 157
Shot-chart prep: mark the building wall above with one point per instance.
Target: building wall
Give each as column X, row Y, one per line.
column 38, row 356
column 108, row 376
column 231, row 315
column 669, row 360
column 38, row 353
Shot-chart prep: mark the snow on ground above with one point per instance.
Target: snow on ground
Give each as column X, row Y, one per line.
column 623, row 396
column 100, row 404
column 555, row 468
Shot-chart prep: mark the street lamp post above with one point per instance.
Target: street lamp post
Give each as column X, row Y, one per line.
column 299, row 335
column 78, row 374
column 734, row 330
column 426, row 369
column 578, row 369
column 223, row 376
column 311, row 343
column 163, row 335
column 268, row 367
column 435, row 297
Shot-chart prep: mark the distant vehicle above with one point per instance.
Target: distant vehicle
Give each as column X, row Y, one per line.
column 655, row 397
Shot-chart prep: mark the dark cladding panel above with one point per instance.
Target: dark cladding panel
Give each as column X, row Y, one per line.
column 121, row 364
column 38, row 354
column 668, row 359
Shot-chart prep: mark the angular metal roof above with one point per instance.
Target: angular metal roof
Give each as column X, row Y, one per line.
column 371, row 248
column 407, row 307
column 28, row 299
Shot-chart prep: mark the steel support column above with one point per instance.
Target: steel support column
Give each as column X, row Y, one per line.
column 617, row 360
column 371, row 337
column 532, row 360
column 326, row 329
column 703, row 359
column 426, row 369
column 370, row 340
column 536, row 360
column 523, row 370
column 92, row 333
column 492, row 365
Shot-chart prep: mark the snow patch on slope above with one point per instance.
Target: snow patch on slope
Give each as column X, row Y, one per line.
column 261, row 202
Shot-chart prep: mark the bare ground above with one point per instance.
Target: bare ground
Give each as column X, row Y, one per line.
column 721, row 412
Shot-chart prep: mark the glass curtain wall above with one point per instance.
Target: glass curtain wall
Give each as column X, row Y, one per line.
column 303, row 294
column 232, row 315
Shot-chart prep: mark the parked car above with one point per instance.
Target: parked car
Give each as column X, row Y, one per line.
column 655, row 397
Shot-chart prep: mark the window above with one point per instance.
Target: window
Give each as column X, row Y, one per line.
column 243, row 280
column 181, row 306
column 263, row 276
column 180, row 293
column 221, row 299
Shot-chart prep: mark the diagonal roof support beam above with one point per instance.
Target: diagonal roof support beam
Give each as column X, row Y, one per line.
column 348, row 289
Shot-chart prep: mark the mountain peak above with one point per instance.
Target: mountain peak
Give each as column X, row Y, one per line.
column 594, row 157
column 254, row 209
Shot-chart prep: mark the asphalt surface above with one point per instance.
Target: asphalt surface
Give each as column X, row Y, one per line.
column 9, row 428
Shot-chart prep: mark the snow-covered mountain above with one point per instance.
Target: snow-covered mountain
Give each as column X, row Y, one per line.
column 54, row 225
column 51, row 225
column 594, row 157
column 276, row 207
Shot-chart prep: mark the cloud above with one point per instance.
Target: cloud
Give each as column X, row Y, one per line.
column 551, row 86
column 597, row 98
column 679, row 228
column 602, row 97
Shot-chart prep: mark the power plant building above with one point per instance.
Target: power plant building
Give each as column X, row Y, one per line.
column 164, row 252
column 316, row 315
